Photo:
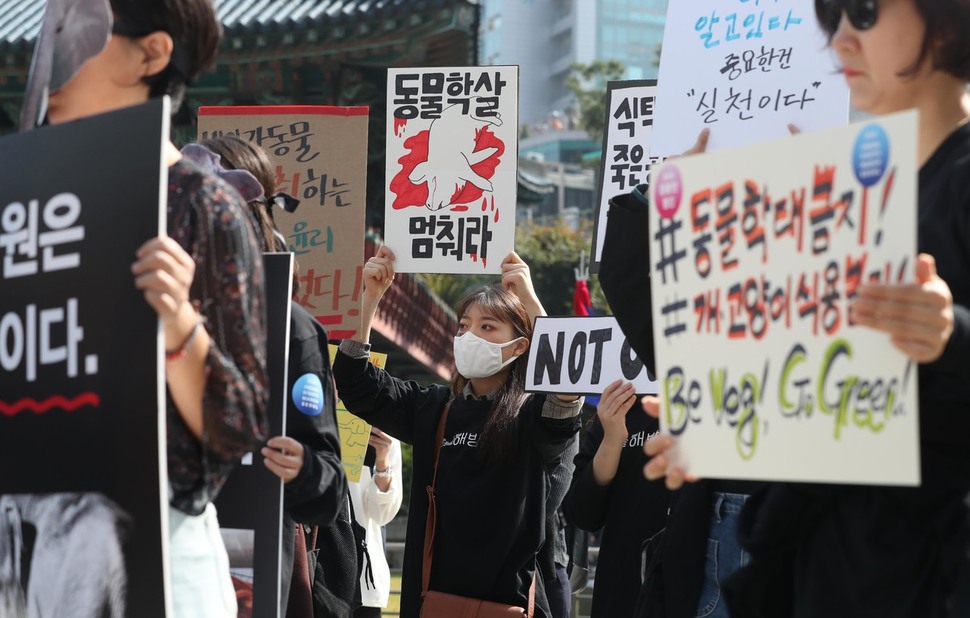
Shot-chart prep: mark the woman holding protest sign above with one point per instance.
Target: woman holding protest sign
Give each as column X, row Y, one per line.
column 482, row 449
column 608, row 493
column 307, row 459
column 204, row 279
column 854, row 551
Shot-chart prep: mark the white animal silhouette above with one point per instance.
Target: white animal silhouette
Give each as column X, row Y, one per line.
column 451, row 145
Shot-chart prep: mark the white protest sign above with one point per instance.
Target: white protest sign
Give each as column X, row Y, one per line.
column 745, row 69
column 756, row 255
column 582, row 356
column 626, row 148
column 452, row 143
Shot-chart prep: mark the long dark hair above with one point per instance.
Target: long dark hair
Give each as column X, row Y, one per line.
column 237, row 154
column 499, row 434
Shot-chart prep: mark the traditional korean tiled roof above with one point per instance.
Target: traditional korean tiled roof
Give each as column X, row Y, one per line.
column 20, row 19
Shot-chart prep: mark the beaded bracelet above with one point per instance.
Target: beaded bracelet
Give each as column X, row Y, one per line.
column 182, row 350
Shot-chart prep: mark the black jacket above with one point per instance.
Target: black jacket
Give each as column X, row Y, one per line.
column 491, row 515
column 629, row 510
column 883, row 551
column 315, row 495
column 674, row 584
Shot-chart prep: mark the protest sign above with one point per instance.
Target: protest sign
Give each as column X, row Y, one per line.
column 746, row 70
column 354, row 431
column 582, row 356
column 626, row 160
column 320, row 156
column 250, row 504
column 84, row 492
column 452, row 144
column 755, row 255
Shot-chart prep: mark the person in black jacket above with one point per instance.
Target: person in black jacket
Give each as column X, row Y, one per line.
column 608, row 492
column 499, row 444
column 699, row 547
column 882, row 551
column 307, row 459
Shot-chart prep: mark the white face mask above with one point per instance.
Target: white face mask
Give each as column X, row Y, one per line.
column 477, row 358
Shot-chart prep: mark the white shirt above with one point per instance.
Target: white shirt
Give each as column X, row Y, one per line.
column 374, row 509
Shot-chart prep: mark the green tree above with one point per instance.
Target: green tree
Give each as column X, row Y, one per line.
column 552, row 253
column 588, row 84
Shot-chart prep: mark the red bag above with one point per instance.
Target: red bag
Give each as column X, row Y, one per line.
column 441, row 604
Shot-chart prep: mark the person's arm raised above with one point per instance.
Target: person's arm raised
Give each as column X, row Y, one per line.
column 378, row 275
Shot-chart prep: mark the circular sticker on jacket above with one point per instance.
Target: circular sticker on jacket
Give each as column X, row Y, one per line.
column 308, row 394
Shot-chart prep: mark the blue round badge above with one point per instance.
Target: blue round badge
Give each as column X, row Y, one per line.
column 308, row 394
column 870, row 155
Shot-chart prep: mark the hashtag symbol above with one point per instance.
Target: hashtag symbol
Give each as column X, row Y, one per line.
column 666, row 239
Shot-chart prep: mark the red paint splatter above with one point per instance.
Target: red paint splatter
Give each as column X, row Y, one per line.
column 461, row 208
column 484, row 204
column 399, row 124
column 474, row 257
column 409, row 194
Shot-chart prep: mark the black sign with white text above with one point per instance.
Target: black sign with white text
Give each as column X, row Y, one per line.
column 84, row 486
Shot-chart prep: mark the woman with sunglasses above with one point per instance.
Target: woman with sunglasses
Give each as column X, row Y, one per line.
column 884, row 551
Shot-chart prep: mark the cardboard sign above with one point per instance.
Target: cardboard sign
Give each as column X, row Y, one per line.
column 745, row 70
column 452, row 144
column 320, row 154
column 250, row 504
column 354, row 431
column 84, row 492
column 582, row 356
column 626, row 160
column 756, row 255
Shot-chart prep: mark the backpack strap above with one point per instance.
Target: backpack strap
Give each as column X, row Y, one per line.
column 432, row 507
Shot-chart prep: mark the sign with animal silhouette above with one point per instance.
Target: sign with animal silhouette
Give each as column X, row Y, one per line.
column 452, row 143
column 82, row 427
column 354, row 431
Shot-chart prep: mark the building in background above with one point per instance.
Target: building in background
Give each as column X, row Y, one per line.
column 546, row 37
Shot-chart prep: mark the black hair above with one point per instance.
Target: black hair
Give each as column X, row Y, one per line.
column 946, row 41
column 499, row 434
column 195, row 31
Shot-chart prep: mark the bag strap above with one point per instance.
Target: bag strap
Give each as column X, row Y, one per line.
column 432, row 506
column 365, row 567
column 429, row 526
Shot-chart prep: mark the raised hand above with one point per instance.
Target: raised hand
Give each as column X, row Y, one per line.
column 614, row 404
column 378, row 275
column 517, row 278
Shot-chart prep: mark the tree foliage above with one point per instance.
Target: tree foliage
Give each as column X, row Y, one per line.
column 588, row 83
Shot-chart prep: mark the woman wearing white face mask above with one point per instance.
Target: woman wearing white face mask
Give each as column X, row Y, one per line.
column 498, row 443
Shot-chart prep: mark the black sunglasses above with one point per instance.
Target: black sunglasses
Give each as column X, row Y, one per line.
column 862, row 14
